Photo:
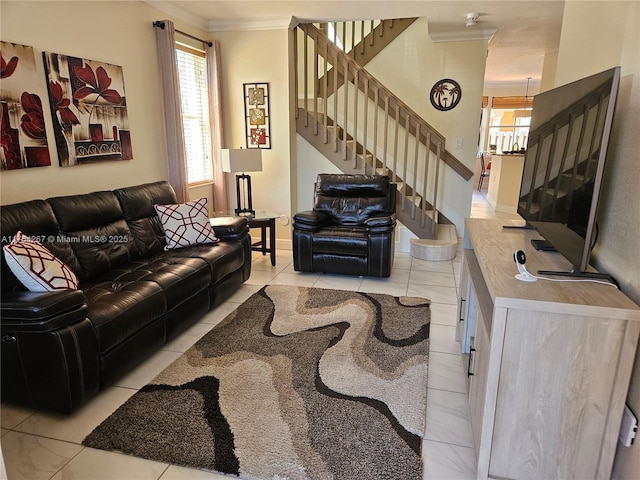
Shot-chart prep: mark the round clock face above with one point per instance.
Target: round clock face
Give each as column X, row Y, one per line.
column 445, row 94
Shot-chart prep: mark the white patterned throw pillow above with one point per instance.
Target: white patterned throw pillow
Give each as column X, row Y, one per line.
column 186, row 223
column 36, row 267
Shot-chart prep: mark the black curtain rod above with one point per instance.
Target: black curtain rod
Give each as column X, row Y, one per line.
column 161, row 25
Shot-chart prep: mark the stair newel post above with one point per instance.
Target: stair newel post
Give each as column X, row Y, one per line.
column 425, row 178
column 335, row 102
column 395, row 143
column 407, row 124
column 315, row 83
column 355, row 119
column 306, row 78
column 376, row 98
column 344, row 35
column 295, row 71
column 385, row 130
column 372, row 40
column 325, row 88
column 434, row 224
column 414, row 180
column 365, row 130
column 353, row 39
column 346, row 107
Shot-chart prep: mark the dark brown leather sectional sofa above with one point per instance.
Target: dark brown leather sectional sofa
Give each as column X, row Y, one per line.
column 60, row 348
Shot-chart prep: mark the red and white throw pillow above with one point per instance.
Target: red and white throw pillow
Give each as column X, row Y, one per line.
column 186, row 224
column 36, row 267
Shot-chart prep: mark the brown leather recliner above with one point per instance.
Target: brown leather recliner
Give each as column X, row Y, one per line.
column 350, row 229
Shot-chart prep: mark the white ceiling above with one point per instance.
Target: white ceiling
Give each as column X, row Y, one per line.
column 524, row 30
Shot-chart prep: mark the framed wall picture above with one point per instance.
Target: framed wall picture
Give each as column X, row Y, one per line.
column 23, row 139
column 89, row 109
column 256, row 115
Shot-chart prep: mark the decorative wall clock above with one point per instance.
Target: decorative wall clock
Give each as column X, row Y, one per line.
column 445, row 94
column 256, row 114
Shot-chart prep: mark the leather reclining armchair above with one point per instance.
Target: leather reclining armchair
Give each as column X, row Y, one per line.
column 350, row 229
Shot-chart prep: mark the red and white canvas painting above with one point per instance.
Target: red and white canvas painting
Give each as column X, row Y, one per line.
column 23, row 136
column 89, row 110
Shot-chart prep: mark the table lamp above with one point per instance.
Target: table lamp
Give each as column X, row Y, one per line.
column 242, row 160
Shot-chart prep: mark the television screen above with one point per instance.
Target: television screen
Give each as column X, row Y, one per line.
column 564, row 163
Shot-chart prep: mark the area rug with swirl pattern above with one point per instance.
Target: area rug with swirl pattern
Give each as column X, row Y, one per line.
column 296, row 383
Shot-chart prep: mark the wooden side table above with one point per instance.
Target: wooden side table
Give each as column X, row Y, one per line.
column 264, row 221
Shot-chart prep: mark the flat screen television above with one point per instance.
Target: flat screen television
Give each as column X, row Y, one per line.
column 564, row 165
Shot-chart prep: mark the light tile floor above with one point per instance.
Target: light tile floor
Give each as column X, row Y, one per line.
column 38, row 445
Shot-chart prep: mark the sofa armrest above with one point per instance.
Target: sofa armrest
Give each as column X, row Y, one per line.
column 41, row 311
column 380, row 221
column 50, row 357
column 230, row 228
column 381, row 224
column 310, row 220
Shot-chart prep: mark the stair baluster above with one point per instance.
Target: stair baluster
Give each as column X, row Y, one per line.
column 353, row 139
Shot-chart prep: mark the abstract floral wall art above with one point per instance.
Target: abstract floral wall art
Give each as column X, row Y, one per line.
column 23, row 137
column 89, row 110
column 256, row 114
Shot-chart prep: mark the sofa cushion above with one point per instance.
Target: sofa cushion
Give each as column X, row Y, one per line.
column 186, row 224
column 94, row 225
column 35, row 219
column 341, row 241
column 36, row 267
column 137, row 205
column 352, row 199
column 179, row 278
column 118, row 310
column 222, row 258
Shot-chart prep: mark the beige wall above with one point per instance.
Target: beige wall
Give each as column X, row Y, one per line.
column 106, row 34
column 548, row 80
column 260, row 56
column 422, row 63
column 597, row 36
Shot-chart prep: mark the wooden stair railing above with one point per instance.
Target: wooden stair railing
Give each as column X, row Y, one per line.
column 362, row 40
column 370, row 128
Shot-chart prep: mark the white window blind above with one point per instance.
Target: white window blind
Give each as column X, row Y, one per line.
column 192, row 73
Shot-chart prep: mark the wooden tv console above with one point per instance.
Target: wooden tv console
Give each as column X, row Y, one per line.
column 548, row 362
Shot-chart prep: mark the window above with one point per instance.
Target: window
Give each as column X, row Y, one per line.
column 192, row 74
column 509, row 122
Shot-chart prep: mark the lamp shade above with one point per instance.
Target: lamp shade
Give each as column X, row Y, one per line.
column 241, row 160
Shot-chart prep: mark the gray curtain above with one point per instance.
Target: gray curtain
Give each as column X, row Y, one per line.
column 214, row 76
column 165, row 38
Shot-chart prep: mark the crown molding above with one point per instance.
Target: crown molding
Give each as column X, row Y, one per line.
column 220, row 25
column 179, row 13
column 245, row 24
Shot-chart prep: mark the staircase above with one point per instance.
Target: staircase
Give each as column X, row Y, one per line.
column 362, row 40
column 362, row 127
